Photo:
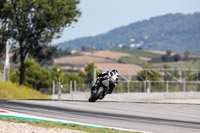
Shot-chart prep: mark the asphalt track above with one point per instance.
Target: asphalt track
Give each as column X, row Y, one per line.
column 157, row 118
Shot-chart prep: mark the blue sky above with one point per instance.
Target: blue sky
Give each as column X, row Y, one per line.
column 100, row 16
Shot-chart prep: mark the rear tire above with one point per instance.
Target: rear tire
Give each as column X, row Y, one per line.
column 96, row 95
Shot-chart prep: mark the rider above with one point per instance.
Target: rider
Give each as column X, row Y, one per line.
column 112, row 75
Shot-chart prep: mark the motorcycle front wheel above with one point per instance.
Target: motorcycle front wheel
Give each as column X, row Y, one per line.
column 96, row 95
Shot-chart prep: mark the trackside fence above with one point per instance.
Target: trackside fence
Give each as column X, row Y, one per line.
column 140, row 81
column 134, row 86
column 133, row 90
column 157, row 86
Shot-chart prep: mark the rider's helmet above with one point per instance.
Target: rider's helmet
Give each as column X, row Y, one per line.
column 114, row 71
column 114, row 75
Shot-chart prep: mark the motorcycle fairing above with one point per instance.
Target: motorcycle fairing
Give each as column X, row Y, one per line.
column 105, row 83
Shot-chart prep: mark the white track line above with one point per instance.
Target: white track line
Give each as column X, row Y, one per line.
column 5, row 113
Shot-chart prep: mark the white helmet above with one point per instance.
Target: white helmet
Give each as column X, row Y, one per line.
column 114, row 75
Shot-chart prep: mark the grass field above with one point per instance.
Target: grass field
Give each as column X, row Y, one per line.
column 138, row 57
column 180, row 64
column 9, row 90
column 139, row 53
column 106, row 54
column 81, row 60
column 124, row 69
column 132, row 60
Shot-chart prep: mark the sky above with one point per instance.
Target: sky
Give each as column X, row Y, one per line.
column 101, row 16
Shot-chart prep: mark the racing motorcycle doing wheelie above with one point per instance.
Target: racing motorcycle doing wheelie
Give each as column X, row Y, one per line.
column 105, row 84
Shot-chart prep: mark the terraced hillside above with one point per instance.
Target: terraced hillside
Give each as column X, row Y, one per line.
column 106, row 60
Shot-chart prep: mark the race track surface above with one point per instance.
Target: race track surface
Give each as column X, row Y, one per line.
column 158, row 118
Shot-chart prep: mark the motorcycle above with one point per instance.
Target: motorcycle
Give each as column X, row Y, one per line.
column 101, row 87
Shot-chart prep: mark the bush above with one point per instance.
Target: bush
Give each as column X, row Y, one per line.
column 9, row 90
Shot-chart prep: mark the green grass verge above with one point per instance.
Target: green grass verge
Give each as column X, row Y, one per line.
column 9, row 90
column 132, row 60
column 48, row 124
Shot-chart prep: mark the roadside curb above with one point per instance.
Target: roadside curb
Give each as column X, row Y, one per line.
column 5, row 113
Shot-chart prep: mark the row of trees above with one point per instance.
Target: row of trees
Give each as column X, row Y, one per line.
column 39, row 77
column 168, row 57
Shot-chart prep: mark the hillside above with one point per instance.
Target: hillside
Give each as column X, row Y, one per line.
column 124, row 60
column 81, row 59
column 175, row 32
column 127, row 61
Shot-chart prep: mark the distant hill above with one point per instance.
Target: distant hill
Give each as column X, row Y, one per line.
column 175, row 32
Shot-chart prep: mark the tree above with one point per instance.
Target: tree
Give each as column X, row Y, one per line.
column 76, row 77
column 168, row 52
column 177, row 57
column 61, row 52
column 57, row 72
column 164, row 58
column 167, row 57
column 36, row 76
column 149, row 74
column 89, row 69
column 168, row 74
column 33, row 24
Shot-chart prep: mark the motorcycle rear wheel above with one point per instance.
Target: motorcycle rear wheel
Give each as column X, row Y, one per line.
column 96, row 95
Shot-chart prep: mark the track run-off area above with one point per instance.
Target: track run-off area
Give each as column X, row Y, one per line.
column 150, row 117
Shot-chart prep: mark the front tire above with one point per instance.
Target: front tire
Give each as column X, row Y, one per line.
column 96, row 95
